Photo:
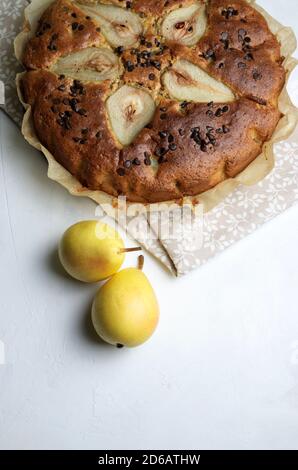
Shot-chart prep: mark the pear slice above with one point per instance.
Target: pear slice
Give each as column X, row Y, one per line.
column 129, row 110
column 187, row 82
column 185, row 25
column 120, row 27
column 92, row 64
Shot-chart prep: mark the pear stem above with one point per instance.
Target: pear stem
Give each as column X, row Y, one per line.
column 141, row 260
column 129, row 250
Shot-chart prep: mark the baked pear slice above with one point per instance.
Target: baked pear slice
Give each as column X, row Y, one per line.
column 185, row 25
column 120, row 27
column 186, row 82
column 129, row 110
column 91, row 64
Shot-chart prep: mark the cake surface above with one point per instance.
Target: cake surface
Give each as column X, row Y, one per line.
column 154, row 100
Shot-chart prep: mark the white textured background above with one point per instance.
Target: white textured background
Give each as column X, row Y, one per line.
column 221, row 371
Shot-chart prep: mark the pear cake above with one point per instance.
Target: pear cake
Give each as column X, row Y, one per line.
column 153, row 99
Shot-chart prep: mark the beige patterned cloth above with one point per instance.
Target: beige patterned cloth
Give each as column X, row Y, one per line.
column 198, row 238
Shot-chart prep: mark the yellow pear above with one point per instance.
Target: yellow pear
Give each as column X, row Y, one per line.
column 91, row 251
column 125, row 311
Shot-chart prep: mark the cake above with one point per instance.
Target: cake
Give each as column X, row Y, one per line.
column 153, row 99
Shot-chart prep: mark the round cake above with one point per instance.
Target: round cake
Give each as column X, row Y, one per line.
column 153, row 99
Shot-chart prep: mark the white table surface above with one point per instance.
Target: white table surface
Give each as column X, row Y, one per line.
column 220, row 372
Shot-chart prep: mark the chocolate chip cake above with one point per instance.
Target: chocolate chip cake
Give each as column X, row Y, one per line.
column 153, row 99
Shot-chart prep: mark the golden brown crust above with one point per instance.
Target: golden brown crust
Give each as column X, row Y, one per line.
column 62, row 29
column 186, row 149
column 246, row 53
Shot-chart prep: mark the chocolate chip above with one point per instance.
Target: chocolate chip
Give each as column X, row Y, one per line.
column 85, row 131
column 210, row 113
column 54, row 109
column 151, row 76
column 162, row 159
column 73, row 91
column 204, row 146
column 98, row 29
column 173, row 147
column 184, row 104
column 181, row 132
column 225, row 129
column 247, row 39
column 76, row 139
column 136, row 161
column 52, row 47
column 121, row 172
column 248, row 56
column 119, row 50
column 88, row 17
column 163, row 134
column 73, row 104
column 156, row 64
column 127, row 164
column 74, row 15
column 170, row 138
column 209, row 54
column 163, row 116
column 229, row 12
column 212, row 139
column 129, row 66
column 160, row 152
column 119, row 346
column 246, row 47
column 257, row 75
column 218, row 112
column 98, row 135
column 241, row 34
column 82, row 112
column 147, row 159
column 74, row 26
column 81, row 27
column 61, row 77
column 195, row 135
column 128, row 5
column 225, row 109
column 62, row 87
